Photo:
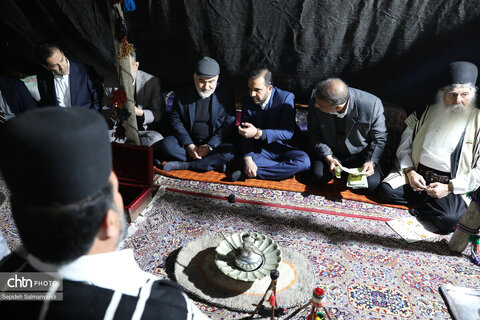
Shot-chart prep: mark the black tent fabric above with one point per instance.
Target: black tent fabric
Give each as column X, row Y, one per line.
column 80, row 28
column 395, row 49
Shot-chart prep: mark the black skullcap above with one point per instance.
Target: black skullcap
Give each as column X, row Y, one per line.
column 462, row 72
column 55, row 156
column 207, row 67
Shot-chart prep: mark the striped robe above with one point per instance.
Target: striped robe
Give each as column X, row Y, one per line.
column 157, row 299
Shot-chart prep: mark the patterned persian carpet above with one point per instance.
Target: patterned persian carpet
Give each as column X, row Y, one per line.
column 366, row 269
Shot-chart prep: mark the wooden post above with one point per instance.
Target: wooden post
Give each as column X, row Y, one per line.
column 125, row 78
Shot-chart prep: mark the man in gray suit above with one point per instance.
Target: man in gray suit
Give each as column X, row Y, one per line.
column 345, row 126
column 149, row 104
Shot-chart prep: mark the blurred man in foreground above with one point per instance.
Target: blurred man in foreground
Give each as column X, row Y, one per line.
column 71, row 221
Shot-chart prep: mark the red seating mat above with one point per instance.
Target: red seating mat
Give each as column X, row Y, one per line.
column 335, row 189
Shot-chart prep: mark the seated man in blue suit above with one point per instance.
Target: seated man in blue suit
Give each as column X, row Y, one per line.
column 14, row 98
column 201, row 120
column 270, row 147
column 345, row 126
column 66, row 83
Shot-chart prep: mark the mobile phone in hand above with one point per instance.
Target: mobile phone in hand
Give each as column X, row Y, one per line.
column 238, row 117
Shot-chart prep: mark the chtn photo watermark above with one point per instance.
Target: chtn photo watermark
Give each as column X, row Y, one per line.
column 29, row 286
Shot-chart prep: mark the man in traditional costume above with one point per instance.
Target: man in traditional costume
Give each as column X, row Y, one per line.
column 71, row 221
column 468, row 230
column 438, row 153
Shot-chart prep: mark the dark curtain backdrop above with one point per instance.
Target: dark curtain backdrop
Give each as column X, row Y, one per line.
column 80, row 27
column 395, row 49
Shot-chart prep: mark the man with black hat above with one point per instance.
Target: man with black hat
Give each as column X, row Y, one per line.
column 439, row 152
column 202, row 121
column 71, row 221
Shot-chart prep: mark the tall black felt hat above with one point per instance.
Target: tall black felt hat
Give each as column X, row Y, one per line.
column 55, row 156
column 207, row 67
column 461, row 72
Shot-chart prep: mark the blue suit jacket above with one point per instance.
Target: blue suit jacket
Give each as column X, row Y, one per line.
column 277, row 121
column 365, row 128
column 85, row 88
column 16, row 95
column 222, row 116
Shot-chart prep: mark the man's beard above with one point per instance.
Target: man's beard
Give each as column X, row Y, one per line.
column 261, row 102
column 205, row 94
column 456, row 108
column 123, row 224
column 446, row 125
column 459, row 109
column 452, row 115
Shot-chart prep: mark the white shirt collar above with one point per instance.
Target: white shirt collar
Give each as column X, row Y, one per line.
column 115, row 270
column 62, row 88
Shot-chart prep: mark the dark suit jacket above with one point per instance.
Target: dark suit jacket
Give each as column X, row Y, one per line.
column 85, row 88
column 365, row 127
column 277, row 121
column 222, row 116
column 16, row 95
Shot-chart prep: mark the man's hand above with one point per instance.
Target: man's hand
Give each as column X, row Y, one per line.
column 438, row 190
column 247, row 130
column 193, row 151
column 138, row 111
column 416, row 181
column 203, row 150
column 332, row 163
column 368, row 167
column 250, row 167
